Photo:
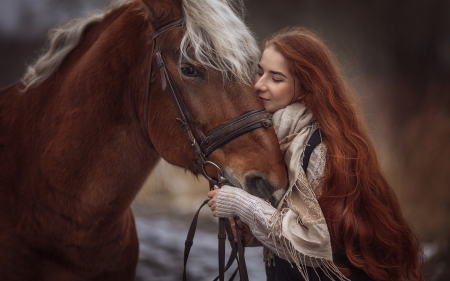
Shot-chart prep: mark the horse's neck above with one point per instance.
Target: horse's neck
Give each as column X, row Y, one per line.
column 4, row 113
column 80, row 140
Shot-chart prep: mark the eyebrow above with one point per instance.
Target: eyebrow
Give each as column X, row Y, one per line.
column 274, row 72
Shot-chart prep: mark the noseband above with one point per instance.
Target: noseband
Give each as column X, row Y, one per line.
column 208, row 141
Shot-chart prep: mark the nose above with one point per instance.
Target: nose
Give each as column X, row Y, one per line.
column 260, row 86
column 258, row 185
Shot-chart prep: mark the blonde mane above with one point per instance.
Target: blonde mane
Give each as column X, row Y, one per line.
column 62, row 41
column 215, row 36
column 218, row 38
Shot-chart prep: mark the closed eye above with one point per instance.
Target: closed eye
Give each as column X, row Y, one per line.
column 190, row 71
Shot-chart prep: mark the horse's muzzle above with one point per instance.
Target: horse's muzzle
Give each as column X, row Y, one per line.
column 258, row 185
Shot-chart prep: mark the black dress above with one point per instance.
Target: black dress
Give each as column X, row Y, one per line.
column 283, row 271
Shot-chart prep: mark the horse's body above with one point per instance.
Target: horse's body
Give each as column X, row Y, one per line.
column 74, row 149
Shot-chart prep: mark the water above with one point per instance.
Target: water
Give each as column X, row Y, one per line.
column 162, row 235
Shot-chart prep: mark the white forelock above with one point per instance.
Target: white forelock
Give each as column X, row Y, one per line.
column 216, row 36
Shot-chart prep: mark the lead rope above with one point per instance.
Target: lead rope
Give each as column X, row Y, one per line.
column 241, row 260
column 224, row 225
column 237, row 252
column 190, row 238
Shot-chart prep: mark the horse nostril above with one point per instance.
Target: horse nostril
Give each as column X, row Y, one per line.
column 258, row 186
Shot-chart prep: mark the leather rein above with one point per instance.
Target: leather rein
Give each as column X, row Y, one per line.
column 203, row 148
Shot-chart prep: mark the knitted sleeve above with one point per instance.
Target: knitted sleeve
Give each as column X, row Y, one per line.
column 263, row 218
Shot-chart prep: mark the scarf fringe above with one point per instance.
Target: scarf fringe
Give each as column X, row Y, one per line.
column 293, row 256
column 303, row 261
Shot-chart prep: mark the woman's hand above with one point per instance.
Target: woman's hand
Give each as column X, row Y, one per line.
column 244, row 230
column 213, row 198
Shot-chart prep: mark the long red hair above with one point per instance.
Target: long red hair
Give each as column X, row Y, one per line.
column 362, row 212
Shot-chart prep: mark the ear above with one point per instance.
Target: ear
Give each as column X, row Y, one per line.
column 161, row 12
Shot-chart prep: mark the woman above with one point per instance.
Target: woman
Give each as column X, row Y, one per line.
column 339, row 218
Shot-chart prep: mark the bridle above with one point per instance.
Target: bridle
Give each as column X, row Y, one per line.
column 208, row 141
column 204, row 147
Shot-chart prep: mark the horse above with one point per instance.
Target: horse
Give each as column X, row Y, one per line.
column 84, row 127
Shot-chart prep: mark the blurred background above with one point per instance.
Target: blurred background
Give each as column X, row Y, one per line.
column 395, row 54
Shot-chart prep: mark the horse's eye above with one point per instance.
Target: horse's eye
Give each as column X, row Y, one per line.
column 189, row 70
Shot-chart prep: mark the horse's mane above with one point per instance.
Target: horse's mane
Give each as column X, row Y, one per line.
column 215, row 36
column 61, row 41
column 218, row 38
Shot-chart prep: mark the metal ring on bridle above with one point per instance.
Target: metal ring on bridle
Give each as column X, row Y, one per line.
column 220, row 172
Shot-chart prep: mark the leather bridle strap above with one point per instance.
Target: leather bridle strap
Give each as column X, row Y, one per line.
column 237, row 252
column 241, row 261
column 190, row 238
column 183, row 113
column 222, row 236
column 236, row 127
column 215, row 138
column 233, row 245
column 155, row 35
column 218, row 136
column 166, row 27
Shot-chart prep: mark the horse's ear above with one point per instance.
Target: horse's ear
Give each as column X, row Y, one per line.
column 161, row 12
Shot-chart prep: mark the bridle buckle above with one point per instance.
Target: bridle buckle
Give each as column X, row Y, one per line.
column 221, row 180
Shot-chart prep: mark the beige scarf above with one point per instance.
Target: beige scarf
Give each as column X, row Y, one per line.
column 304, row 232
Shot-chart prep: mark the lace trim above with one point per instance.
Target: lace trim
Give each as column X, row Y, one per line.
column 316, row 168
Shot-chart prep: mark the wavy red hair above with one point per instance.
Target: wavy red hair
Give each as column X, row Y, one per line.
column 362, row 212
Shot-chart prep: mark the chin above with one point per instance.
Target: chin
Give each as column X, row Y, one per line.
column 267, row 108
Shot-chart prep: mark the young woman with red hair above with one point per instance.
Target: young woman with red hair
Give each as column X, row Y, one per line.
column 339, row 219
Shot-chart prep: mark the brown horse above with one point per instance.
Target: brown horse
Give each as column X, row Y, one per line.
column 75, row 147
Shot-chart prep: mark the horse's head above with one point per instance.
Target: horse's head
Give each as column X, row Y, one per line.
column 212, row 59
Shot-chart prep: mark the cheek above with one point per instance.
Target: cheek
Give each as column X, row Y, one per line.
column 283, row 93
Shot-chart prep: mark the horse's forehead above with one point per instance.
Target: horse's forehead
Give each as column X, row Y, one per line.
column 170, row 38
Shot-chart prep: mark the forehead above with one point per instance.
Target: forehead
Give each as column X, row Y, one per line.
column 271, row 59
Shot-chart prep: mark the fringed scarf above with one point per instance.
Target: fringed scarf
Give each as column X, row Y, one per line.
column 303, row 230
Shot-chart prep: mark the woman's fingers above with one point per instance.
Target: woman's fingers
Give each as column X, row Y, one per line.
column 244, row 231
column 212, row 202
column 212, row 206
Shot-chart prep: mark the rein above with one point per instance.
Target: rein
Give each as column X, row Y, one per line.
column 203, row 148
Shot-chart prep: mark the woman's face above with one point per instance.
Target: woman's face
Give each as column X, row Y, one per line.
column 273, row 82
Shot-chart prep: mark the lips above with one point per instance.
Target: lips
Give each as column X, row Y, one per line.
column 263, row 99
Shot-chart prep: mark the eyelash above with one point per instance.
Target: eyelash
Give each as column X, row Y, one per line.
column 273, row 79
